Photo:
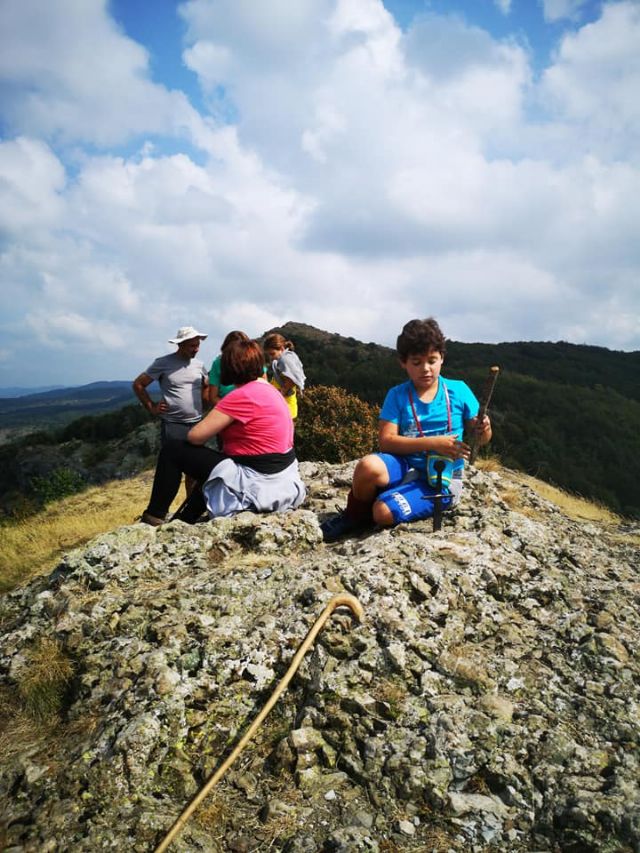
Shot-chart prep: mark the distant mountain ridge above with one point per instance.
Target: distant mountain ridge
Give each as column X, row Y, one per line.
column 63, row 392
column 59, row 406
column 18, row 391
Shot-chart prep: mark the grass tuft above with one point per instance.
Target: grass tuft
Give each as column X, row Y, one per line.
column 43, row 680
column 488, row 463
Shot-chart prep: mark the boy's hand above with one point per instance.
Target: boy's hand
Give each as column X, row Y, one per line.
column 449, row 445
column 480, row 429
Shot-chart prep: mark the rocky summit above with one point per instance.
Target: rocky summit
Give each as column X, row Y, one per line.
column 489, row 701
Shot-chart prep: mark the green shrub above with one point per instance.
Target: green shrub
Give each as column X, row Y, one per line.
column 19, row 507
column 334, row 426
column 94, row 454
column 58, row 484
column 105, row 427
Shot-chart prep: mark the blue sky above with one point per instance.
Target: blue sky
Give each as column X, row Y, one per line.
column 344, row 163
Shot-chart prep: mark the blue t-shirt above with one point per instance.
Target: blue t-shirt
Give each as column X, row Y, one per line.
column 432, row 416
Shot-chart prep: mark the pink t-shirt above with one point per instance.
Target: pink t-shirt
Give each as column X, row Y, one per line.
column 261, row 420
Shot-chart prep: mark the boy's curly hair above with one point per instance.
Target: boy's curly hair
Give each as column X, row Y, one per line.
column 420, row 336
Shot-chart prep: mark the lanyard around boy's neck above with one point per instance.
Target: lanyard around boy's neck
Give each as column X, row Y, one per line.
column 448, row 402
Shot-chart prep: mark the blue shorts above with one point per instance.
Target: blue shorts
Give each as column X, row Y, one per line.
column 408, row 495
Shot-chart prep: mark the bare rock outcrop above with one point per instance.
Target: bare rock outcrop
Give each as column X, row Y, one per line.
column 490, row 701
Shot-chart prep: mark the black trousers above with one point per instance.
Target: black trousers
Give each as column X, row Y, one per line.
column 175, row 459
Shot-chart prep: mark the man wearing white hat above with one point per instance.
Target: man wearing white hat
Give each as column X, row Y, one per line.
column 183, row 379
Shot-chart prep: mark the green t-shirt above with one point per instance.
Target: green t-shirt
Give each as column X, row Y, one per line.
column 214, row 378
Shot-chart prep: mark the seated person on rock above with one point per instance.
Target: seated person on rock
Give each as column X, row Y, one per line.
column 422, row 420
column 257, row 468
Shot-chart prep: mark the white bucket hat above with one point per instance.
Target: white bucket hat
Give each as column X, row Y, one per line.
column 185, row 334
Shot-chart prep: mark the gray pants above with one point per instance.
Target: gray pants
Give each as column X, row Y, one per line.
column 174, row 429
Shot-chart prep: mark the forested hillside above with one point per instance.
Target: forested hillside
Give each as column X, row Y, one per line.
column 565, row 413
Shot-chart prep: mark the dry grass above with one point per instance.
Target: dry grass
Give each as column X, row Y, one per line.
column 225, row 804
column 512, row 498
column 34, row 545
column 43, row 680
column 488, row 463
column 29, row 716
column 573, row 506
column 17, row 728
column 214, row 816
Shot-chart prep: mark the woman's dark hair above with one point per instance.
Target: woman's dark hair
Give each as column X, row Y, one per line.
column 234, row 336
column 241, row 362
column 276, row 341
column 420, row 336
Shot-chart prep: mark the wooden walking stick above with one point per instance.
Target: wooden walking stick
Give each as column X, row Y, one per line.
column 342, row 600
column 487, row 392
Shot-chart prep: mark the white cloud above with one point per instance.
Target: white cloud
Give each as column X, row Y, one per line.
column 400, row 129
column 557, row 10
column 594, row 82
column 31, row 184
column 364, row 175
column 68, row 73
column 66, row 330
column 504, row 6
column 275, row 34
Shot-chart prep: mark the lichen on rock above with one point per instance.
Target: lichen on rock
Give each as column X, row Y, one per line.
column 489, row 701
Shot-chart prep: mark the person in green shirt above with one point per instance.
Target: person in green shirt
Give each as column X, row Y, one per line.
column 216, row 390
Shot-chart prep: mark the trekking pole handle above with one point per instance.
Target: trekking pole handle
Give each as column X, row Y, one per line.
column 487, row 393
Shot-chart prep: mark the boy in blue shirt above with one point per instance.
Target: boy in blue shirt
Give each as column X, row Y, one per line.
column 421, row 420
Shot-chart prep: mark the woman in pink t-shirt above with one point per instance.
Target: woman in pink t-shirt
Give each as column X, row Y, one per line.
column 257, row 468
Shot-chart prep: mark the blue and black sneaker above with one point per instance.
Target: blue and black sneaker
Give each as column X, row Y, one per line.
column 339, row 525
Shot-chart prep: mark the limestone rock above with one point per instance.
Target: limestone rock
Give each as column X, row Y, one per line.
column 494, row 682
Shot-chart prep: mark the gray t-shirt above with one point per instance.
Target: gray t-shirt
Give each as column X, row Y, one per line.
column 181, row 382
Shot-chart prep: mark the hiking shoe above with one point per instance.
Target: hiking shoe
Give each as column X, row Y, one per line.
column 339, row 525
column 153, row 520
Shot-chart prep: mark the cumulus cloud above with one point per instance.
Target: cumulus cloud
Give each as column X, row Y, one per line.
column 63, row 330
column 594, row 80
column 350, row 175
column 31, row 183
column 557, row 10
column 68, row 73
